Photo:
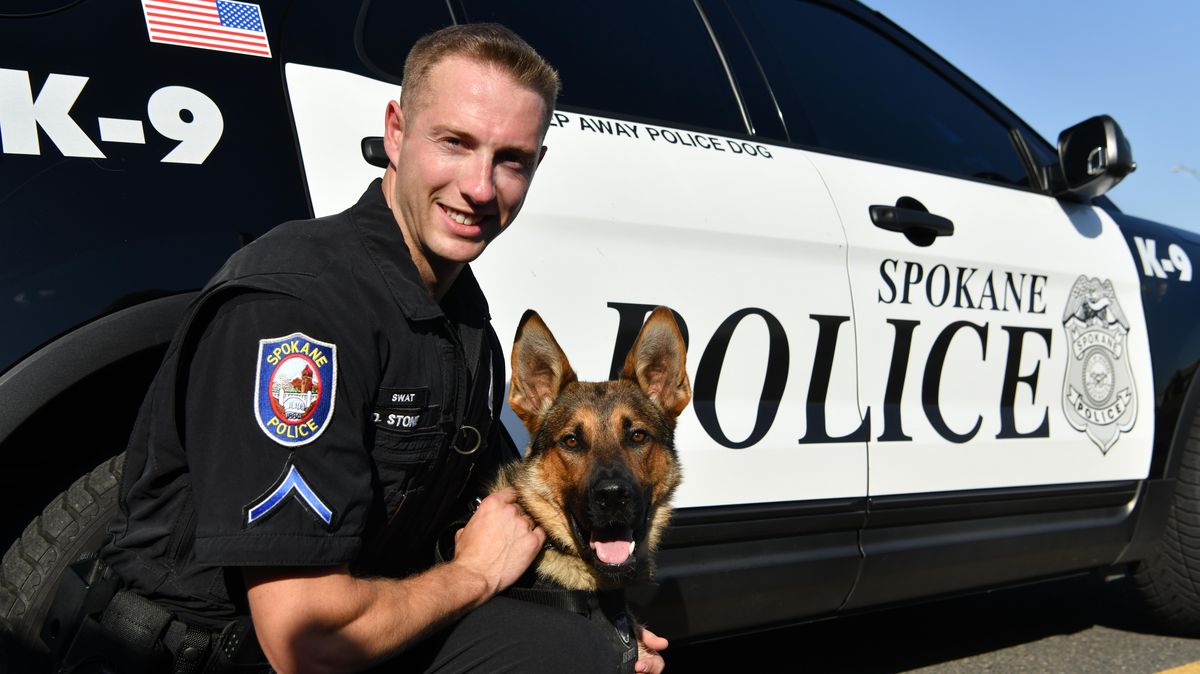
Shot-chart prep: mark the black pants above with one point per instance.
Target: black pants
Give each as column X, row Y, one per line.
column 509, row 635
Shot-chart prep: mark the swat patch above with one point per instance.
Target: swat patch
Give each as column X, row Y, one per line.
column 295, row 386
column 290, row 483
column 1099, row 395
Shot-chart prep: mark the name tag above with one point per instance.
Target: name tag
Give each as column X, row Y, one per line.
column 406, row 410
column 412, row 398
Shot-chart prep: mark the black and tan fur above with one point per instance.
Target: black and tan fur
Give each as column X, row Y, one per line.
column 601, row 465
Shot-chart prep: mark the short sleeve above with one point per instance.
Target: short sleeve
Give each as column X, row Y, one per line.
column 273, row 425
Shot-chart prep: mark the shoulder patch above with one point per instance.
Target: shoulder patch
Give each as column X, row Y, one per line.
column 295, row 387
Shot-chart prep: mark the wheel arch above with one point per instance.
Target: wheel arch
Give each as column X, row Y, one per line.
column 72, row 403
column 39, row 378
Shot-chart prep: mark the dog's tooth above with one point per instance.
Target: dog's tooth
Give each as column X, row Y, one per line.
column 632, row 545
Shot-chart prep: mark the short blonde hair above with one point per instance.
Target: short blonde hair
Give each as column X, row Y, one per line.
column 489, row 43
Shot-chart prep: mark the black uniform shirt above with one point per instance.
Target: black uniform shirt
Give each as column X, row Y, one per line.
column 310, row 412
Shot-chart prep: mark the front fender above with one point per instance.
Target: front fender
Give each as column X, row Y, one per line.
column 1170, row 297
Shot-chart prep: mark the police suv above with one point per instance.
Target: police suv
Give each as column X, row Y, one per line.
column 928, row 355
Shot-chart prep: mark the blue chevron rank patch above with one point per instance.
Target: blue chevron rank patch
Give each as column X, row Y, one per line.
column 291, row 483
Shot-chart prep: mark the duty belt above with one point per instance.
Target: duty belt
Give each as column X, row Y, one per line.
column 93, row 624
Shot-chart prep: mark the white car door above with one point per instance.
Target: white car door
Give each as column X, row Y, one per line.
column 1011, row 350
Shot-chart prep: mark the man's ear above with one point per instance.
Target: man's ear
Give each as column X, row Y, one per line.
column 393, row 131
column 539, row 370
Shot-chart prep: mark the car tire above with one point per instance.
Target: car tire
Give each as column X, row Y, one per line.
column 73, row 524
column 1168, row 582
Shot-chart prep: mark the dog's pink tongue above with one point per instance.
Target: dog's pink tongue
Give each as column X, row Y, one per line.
column 614, row 551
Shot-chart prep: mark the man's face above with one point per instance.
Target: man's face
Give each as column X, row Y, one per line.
column 464, row 156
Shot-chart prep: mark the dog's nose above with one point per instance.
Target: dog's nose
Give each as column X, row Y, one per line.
column 611, row 494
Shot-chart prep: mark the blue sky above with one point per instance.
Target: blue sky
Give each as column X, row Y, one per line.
column 1058, row 62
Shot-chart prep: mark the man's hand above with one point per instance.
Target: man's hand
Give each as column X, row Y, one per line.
column 651, row 662
column 499, row 542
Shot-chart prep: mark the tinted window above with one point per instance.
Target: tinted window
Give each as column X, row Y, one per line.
column 27, row 7
column 635, row 58
column 844, row 87
column 389, row 30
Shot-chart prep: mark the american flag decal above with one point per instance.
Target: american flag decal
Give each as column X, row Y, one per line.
column 223, row 25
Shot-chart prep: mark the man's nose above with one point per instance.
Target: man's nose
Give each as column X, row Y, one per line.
column 477, row 182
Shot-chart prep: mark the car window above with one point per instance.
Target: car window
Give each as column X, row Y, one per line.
column 844, row 87
column 388, row 31
column 641, row 59
column 13, row 8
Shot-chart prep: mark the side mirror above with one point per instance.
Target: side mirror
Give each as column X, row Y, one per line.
column 373, row 152
column 1093, row 157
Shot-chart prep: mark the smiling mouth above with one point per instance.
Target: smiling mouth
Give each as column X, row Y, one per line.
column 469, row 219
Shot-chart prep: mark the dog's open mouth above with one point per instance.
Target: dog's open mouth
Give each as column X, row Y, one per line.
column 612, row 545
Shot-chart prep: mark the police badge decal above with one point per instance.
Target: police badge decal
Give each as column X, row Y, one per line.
column 1099, row 395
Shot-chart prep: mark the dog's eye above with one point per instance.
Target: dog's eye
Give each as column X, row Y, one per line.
column 638, row 436
column 570, row 441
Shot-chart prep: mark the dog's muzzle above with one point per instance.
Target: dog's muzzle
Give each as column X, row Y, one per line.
column 614, row 519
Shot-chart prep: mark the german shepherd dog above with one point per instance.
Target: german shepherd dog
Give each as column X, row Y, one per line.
column 601, row 466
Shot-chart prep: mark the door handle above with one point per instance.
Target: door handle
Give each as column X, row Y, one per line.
column 911, row 218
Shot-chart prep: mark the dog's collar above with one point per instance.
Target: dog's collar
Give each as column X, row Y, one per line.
column 582, row 602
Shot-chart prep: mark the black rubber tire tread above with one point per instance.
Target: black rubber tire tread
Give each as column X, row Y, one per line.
column 75, row 522
column 1168, row 582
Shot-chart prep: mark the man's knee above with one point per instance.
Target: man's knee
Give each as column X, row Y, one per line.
column 511, row 635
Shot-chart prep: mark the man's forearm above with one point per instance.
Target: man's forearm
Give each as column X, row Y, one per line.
column 334, row 622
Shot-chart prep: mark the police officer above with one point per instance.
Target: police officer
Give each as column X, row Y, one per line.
column 330, row 405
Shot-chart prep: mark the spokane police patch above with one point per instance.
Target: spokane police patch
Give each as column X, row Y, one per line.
column 295, row 386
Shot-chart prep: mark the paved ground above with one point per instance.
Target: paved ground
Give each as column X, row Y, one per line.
column 1079, row 625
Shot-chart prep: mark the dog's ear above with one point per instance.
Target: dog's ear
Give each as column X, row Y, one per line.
column 539, row 370
column 658, row 363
